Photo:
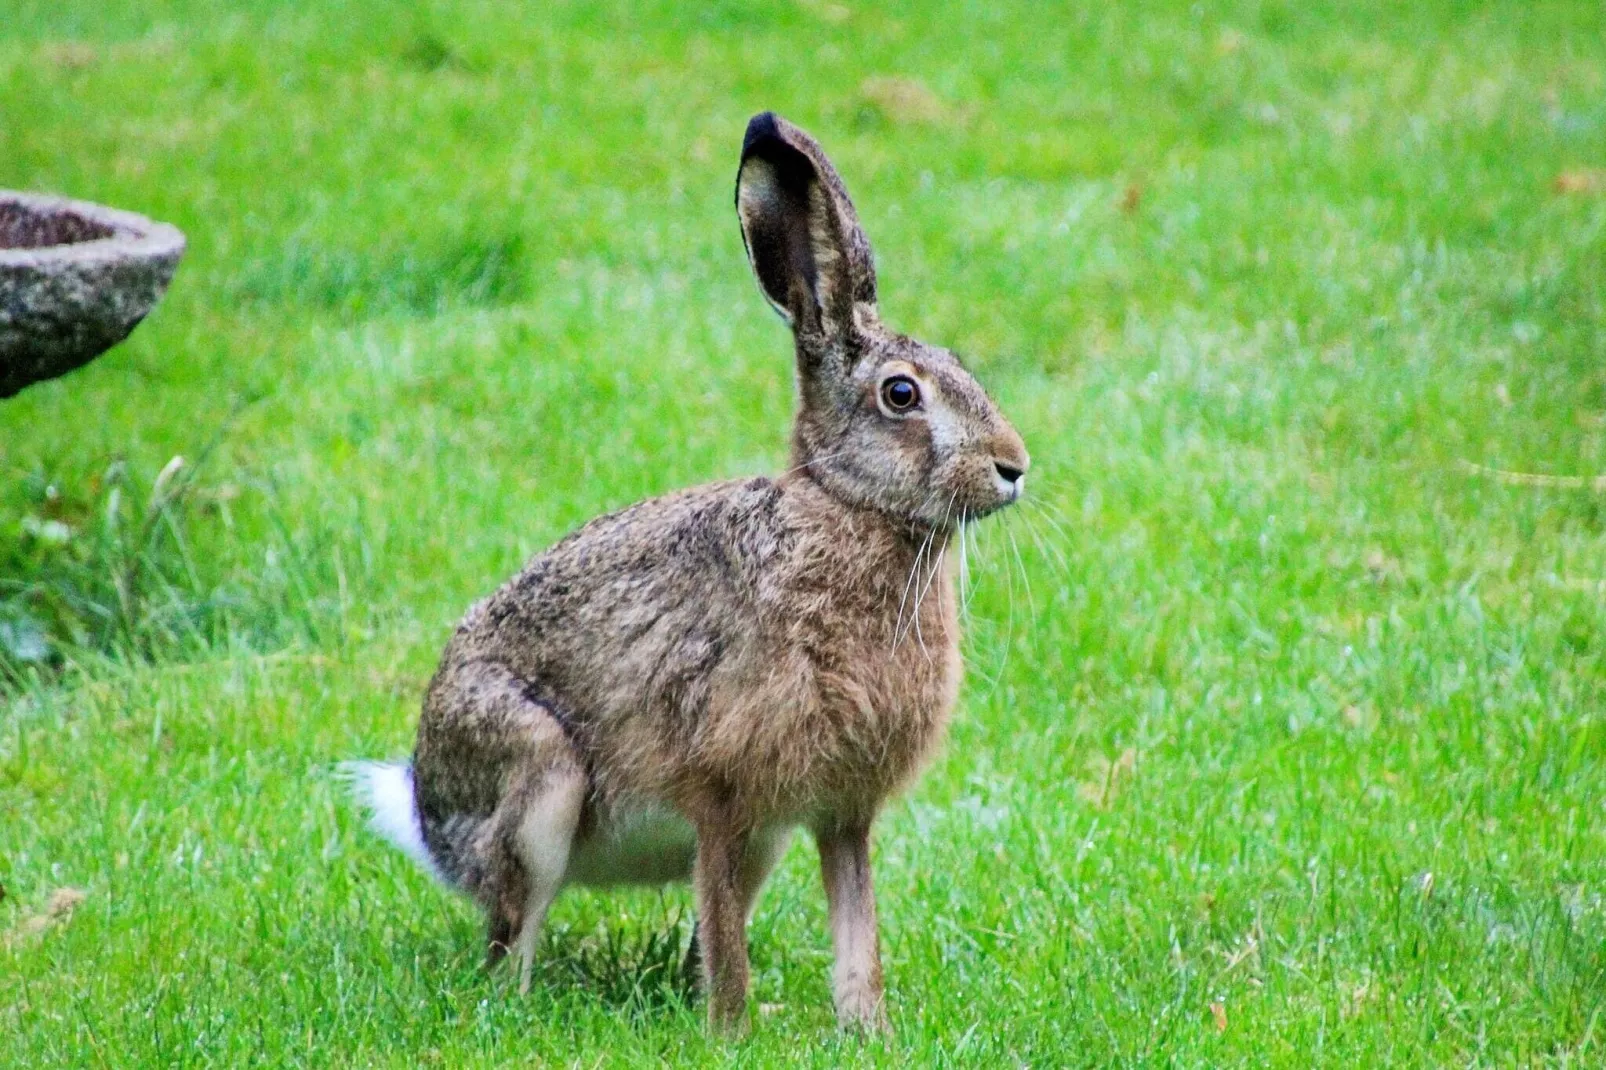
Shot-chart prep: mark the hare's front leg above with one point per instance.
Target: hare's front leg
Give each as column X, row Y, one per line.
column 732, row 865
column 764, row 850
column 856, row 977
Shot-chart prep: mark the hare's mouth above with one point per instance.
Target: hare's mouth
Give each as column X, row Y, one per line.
column 1011, row 482
column 972, row 512
column 1008, row 492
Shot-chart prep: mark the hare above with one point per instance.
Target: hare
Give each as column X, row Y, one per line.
column 671, row 690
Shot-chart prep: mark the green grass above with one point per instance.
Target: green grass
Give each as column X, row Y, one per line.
column 1273, row 704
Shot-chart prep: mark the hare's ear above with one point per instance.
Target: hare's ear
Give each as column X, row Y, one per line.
column 802, row 235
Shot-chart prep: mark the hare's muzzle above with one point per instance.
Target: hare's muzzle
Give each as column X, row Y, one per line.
column 1010, row 462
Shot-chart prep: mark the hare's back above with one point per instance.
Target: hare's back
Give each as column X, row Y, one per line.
column 637, row 606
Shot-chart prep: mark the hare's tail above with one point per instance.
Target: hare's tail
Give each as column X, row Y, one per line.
column 385, row 789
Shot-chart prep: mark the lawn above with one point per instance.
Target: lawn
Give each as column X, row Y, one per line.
column 1283, row 741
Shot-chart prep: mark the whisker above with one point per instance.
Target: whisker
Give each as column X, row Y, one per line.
column 970, row 537
column 936, row 565
column 1045, row 482
column 1044, row 547
column 1058, row 554
column 814, row 460
column 1048, row 490
column 969, row 534
column 1052, row 513
column 914, row 614
column 964, row 572
column 967, row 581
column 929, row 551
column 1049, row 512
column 897, row 627
column 908, row 584
column 1025, row 580
column 1009, row 633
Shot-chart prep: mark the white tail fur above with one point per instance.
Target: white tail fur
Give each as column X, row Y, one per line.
column 386, row 790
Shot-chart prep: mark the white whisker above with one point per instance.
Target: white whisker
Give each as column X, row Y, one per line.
column 936, row 566
column 1009, row 634
column 899, row 631
column 814, row 460
column 1045, row 547
column 1025, row 579
column 897, row 627
column 964, row 571
column 1047, row 512
column 968, row 535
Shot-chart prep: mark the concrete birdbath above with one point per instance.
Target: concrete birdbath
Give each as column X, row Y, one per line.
column 75, row 278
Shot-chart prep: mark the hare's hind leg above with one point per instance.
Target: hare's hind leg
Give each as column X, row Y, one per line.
column 527, row 858
column 500, row 790
column 544, row 820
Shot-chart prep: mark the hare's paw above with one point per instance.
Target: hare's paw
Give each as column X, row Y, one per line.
column 859, row 1007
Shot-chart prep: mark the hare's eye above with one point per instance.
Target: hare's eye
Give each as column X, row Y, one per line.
column 900, row 394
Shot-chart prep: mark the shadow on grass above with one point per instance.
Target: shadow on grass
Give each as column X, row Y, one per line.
column 629, row 968
column 626, row 969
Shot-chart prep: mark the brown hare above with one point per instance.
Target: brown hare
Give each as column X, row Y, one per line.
column 671, row 690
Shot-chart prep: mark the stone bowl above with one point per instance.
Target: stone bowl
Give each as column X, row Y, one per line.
column 75, row 278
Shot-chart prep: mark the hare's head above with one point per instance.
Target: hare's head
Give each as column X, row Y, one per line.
column 884, row 421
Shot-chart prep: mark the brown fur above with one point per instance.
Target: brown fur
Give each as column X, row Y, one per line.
column 744, row 657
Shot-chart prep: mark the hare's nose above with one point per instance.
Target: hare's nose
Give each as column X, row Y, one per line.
column 1008, row 473
column 1010, row 462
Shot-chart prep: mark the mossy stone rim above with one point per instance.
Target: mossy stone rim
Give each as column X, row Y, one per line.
column 75, row 279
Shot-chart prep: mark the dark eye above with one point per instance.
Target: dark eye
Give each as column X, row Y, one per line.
column 900, row 394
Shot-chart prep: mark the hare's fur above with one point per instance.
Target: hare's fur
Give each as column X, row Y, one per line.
column 671, row 690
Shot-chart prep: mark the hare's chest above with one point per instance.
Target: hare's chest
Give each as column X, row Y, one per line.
column 879, row 724
column 890, row 701
column 840, row 701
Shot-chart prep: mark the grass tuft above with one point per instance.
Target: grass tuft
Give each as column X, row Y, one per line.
column 123, row 570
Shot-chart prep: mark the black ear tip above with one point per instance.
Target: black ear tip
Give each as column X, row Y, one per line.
column 761, row 128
